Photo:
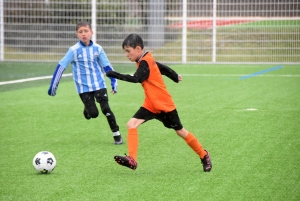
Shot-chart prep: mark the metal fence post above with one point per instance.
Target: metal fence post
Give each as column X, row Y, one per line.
column 156, row 27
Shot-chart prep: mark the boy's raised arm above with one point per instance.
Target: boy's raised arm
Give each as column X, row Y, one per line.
column 167, row 71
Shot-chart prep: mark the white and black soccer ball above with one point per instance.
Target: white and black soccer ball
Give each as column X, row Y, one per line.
column 44, row 162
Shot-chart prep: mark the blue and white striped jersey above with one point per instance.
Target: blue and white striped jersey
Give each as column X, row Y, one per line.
column 89, row 64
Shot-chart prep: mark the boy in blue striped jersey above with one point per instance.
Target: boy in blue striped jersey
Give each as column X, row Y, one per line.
column 89, row 65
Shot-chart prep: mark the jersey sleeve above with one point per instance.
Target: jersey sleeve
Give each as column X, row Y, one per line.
column 113, row 81
column 167, row 71
column 102, row 59
column 55, row 80
column 106, row 65
column 62, row 65
column 67, row 59
column 141, row 74
column 143, row 71
column 124, row 77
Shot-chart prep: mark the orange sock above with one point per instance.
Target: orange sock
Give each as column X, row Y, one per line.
column 192, row 141
column 133, row 142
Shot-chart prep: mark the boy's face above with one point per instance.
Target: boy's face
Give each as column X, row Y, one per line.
column 84, row 34
column 133, row 54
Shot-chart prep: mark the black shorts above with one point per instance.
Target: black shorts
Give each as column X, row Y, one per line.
column 169, row 119
column 99, row 95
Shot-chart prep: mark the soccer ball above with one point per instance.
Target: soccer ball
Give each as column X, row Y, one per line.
column 44, row 162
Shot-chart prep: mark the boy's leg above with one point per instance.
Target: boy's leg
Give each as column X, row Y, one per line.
column 192, row 141
column 102, row 98
column 132, row 140
column 141, row 116
column 172, row 120
column 111, row 119
column 204, row 155
column 90, row 109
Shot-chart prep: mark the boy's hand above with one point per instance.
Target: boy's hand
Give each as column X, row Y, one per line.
column 52, row 90
column 114, row 90
column 179, row 78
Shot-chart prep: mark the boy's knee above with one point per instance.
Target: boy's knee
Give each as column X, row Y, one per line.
column 106, row 110
column 132, row 124
column 93, row 113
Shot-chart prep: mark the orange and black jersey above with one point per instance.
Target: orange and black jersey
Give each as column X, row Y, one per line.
column 149, row 74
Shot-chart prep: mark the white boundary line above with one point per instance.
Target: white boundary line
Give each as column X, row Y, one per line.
column 188, row 75
column 32, row 79
column 236, row 75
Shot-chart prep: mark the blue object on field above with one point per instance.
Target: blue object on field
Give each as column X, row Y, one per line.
column 260, row 72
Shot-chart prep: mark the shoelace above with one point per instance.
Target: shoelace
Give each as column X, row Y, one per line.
column 131, row 161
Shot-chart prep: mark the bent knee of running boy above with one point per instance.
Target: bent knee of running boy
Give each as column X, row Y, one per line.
column 182, row 132
column 134, row 123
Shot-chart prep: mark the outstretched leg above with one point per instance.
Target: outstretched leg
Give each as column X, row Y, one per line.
column 192, row 141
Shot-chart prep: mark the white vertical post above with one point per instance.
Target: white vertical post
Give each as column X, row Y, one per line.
column 155, row 24
column 184, row 28
column 214, row 35
column 1, row 31
column 94, row 20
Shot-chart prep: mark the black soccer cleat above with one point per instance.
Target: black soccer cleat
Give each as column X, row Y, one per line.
column 206, row 162
column 118, row 140
column 126, row 161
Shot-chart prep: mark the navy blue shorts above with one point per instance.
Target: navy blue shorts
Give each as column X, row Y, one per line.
column 169, row 119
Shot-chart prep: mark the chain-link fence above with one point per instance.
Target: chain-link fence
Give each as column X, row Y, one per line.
column 191, row 31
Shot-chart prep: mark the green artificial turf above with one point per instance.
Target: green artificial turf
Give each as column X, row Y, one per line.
column 255, row 153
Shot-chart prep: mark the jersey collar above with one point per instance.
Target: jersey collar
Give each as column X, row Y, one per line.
column 91, row 43
column 142, row 56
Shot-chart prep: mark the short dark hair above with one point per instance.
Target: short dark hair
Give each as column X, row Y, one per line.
column 83, row 23
column 133, row 40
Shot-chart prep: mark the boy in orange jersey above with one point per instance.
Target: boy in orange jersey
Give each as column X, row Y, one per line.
column 158, row 103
